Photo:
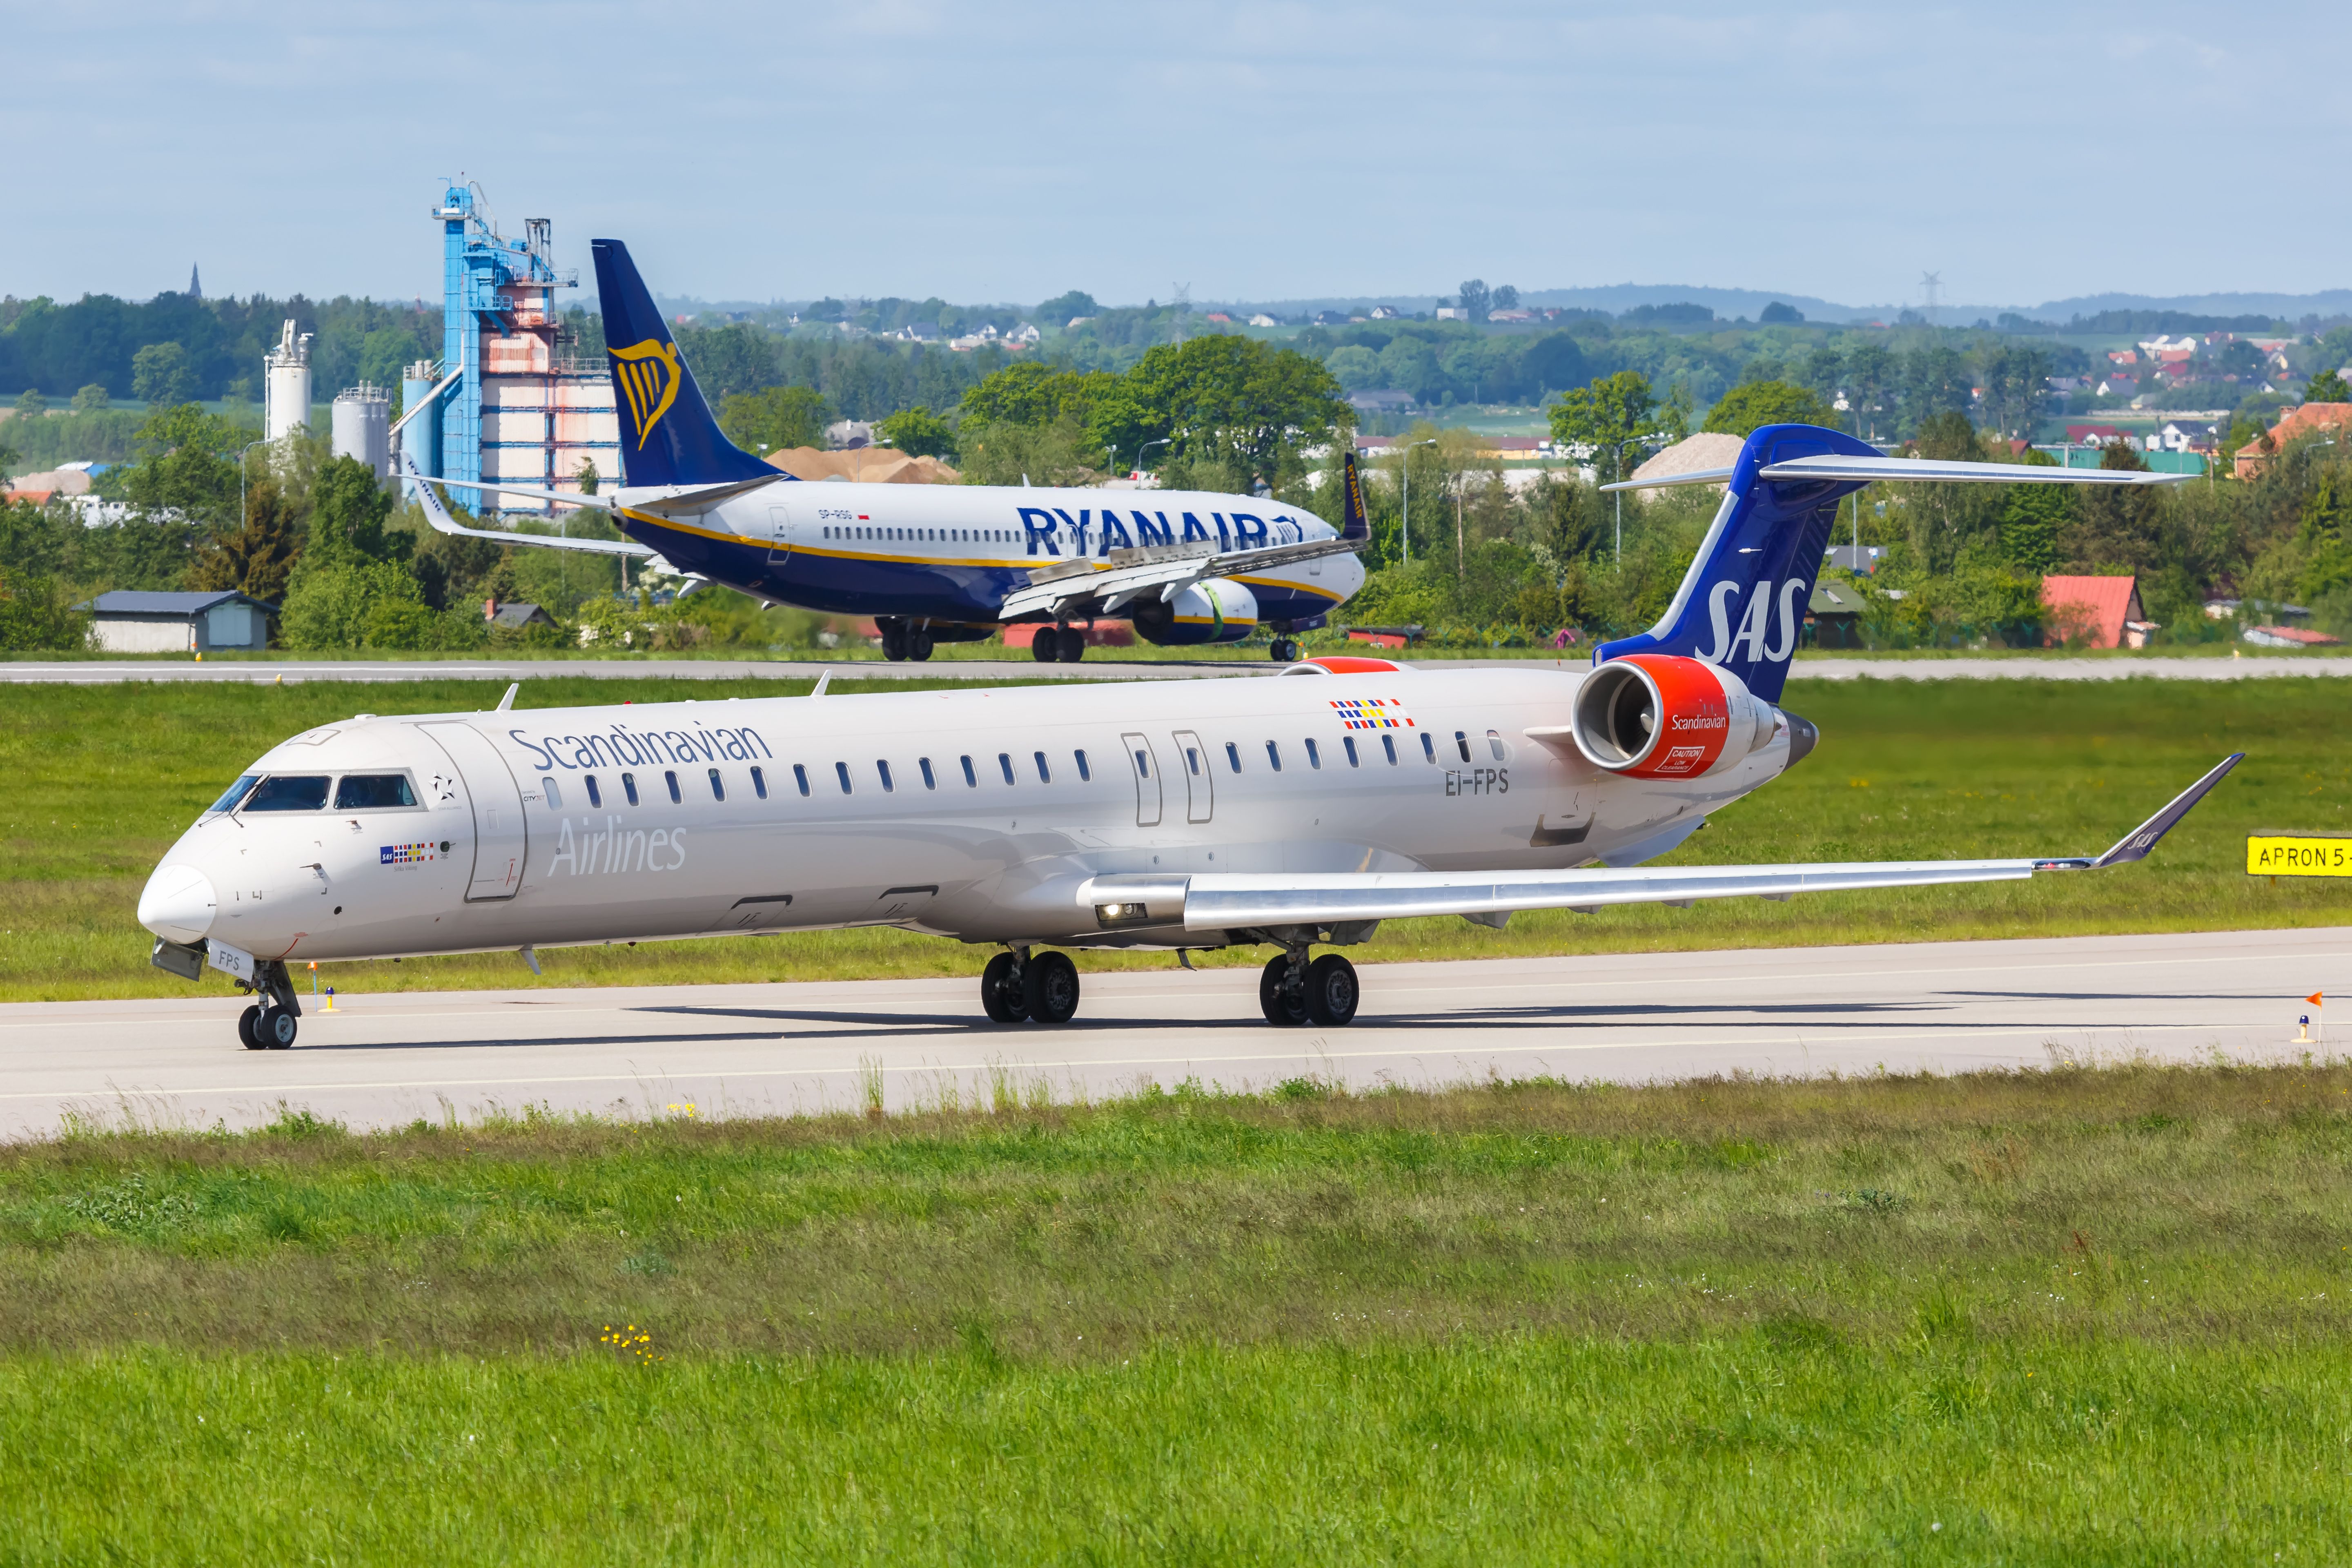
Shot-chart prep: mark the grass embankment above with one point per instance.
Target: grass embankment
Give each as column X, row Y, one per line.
column 2068, row 1317
column 102, row 779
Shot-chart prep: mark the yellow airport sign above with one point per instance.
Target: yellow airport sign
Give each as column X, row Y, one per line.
column 2299, row 855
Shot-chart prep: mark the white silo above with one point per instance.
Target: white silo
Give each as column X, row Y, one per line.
column 362, row 422
column 287, row 385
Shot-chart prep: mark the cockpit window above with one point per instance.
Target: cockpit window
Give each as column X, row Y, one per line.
column 288, row 792
column 374, row 791
column 235, row 792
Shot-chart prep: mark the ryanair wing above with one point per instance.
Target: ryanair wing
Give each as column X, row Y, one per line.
column 438, row 516
column 1229, row 901
column 1123, row 576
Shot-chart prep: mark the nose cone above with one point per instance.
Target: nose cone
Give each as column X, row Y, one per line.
column 179, row 903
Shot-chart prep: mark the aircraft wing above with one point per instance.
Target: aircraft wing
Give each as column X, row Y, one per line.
column 1912, row 470
column 1166, row 571
column 1230, row 900
column 438, row 516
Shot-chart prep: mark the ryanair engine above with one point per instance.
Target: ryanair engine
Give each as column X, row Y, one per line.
column 1216, row 611
column 1649, row 716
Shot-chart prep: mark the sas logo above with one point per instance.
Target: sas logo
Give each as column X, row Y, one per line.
column 1682, row 759
column 405, row 854
column 648, row 376
column 1371, row 713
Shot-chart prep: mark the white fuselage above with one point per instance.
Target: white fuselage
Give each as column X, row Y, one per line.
column 976, row 813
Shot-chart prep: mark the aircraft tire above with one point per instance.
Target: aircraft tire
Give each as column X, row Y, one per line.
column 1281, row 1005
column 1045, row 646
column 1049, row 985
column 1282, row 650
column 275, row 1028
column 1074, row 644
column 245, row 1029
column 1000, row 994
column 919, row 644
column 1331, row 992
column 893, row 640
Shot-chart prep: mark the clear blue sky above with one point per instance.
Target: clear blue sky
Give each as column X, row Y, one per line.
column 1278, row 149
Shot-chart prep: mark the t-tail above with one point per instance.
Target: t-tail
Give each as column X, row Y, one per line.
column 667, row 436
column 1742, row 604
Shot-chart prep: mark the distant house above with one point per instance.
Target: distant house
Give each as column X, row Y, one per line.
column 1076, row 322
column 1507, row 317
column 1026, row 333
column 2119, row 385
column 1385, row 312
column 1263, row 319
column 1511, row 448
column 2098, row 612
column 2288, row 637
column 129, row 621
column 2092, row 435
column 2304, row 420
column 1860, row 560
column 2122, row 356
column 1221, row 319
column 2179, row 438
column 1452, row 313
column 1835, row 614
column 1330, row 318
column 1382, row 402
column 516, row 616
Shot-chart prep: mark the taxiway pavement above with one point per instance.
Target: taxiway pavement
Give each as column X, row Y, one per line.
column 385, row 1059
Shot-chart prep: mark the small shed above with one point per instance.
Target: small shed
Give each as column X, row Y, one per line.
column 134, row 621
column 1835, row 614
column 2103, row 612
column 517, row 617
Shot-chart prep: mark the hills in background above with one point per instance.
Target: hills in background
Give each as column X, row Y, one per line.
column 1729, row 303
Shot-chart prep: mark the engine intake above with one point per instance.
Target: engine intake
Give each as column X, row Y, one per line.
column 1662, row 716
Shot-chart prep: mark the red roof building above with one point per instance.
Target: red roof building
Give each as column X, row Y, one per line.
column 2304, row 420
column 2095, row 612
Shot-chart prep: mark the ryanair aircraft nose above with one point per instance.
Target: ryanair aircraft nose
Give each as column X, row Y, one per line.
column 179, row 903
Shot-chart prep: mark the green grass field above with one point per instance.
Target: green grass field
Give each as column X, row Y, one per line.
column 2064, row 1318
column 99, row 780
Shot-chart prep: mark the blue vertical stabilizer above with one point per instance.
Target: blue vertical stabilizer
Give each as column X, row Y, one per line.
column 667, row 436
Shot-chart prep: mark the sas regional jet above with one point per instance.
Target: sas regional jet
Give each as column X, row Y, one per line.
column 1287, row 812
column 934, row 563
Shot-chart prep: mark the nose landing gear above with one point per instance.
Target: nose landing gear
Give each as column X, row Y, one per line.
column 270, row 1024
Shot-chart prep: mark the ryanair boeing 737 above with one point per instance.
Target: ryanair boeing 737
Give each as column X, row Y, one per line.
column 935, row 563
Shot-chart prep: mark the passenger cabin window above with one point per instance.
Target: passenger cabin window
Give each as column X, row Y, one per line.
column 969, row 777
column 1387, row 744
column 717, row 789
column 374, row 791
column 1233, row 756
column 929, row 782
column 1314, row 756
column 1494, row 744
column 1272, row 756
column 553, row 796
column 1462, row 744
column 674, row 797
column 1193, row 760
column 629, row 787
column 1349, row 743
column 1086, row 774
column 288, row 792
column 1004, row 760
column 1428, row 747
column 799, row 777
column 759, row 784
column 595, row 796
column 1044, row 775
column 1143, row 762
column 841, row 772
column 883, row 768
column 235, row 792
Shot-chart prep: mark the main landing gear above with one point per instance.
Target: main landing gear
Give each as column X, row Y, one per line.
column 904, row 640
column 1060, row 645
column 1292, row 990
column 1283, row 651
column 1041, row 987
column 269, row 1023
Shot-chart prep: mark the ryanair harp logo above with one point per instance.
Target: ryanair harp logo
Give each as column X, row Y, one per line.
column 648, row 374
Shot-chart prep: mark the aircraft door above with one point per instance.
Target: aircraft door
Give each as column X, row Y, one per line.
column 500, row 838
column 1199, row 789
column 1147, row 779
column 779, row 531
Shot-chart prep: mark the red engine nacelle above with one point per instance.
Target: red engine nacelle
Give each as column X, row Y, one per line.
column 1655, row 715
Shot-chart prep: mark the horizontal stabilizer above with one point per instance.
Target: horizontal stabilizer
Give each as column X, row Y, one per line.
column 438, row 516
column 1909, row 470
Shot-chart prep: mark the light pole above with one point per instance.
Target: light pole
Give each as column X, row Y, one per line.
column 1404, row 529
column 1620, row 449
column 1163, row 441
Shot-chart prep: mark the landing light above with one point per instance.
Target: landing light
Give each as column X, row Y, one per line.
column 1121, row 914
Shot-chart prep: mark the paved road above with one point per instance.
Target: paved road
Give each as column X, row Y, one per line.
column 103, row 672
column 747, row 1049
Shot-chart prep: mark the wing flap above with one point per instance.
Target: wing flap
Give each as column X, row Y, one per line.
column 1055, row 595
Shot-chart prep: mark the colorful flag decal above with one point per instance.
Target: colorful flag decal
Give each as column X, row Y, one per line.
column 1372, row 713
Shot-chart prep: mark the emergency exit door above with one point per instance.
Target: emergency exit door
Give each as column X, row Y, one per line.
column 1199, row 779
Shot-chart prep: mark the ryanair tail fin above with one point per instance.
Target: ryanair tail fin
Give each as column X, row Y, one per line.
column 1353, row 524
column 668, row 434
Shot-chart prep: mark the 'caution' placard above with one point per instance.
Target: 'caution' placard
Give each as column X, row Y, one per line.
column 2299, row 855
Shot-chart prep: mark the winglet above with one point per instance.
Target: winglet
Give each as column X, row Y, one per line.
column 2134, row 845
column 1353, row 522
